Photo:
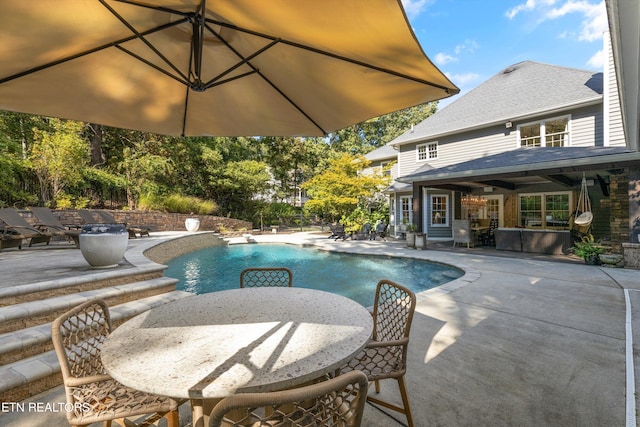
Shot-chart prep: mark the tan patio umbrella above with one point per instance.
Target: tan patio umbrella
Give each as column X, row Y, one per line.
column 220, row 67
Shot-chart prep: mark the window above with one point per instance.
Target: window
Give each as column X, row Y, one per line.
column 547, row 133
column 406, row 210
column 550, row 210
column 427, row 151
column 439, row 210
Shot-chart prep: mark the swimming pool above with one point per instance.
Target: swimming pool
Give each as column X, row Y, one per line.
column 354, row 276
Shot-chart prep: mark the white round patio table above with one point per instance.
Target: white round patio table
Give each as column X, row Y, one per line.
column 214, row 345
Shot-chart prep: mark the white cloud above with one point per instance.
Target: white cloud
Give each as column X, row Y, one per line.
column 597, row 60
column 594, row 15
column 462, row 80
column 529, row 5
column 443, row 58
column 467, row 46
column 414, row 8
column 594, row 21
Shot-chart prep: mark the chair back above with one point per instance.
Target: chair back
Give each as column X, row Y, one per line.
column 77, row 338
column 338, row 402
column 266, row 276
column 393, row 313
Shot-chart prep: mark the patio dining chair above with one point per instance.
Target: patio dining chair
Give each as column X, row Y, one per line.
column 266, row 276
column 94, row 396
column 338, row 402
column 385, row 355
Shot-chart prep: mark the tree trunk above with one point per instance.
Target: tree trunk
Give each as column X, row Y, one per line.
column 95, row 141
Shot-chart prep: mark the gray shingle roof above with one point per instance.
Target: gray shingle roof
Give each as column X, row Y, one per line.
column 518, row 91
column 382, row 153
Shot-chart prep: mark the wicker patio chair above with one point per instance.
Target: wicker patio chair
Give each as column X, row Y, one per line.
column 332, row 403
column 266, row 276
column 94, row 396
column 385, row 356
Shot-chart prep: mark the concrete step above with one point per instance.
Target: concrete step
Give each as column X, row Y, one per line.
column 33, row 313
column 80, row 283
column 31, row 375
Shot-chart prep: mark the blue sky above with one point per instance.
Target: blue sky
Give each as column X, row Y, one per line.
column 472, row 40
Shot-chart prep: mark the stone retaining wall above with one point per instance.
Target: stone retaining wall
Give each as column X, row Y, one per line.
column 163, row 221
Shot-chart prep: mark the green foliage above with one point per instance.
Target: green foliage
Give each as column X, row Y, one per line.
column 58, row 157
column 177, row 203
column 280, row 213
column 68, row 201
column 341, row 188
column 587, row 247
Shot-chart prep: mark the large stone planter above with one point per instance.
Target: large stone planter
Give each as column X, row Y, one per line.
column 631, row 253
column 103, row 245
column 411, row 239
column 192, row 224
column 420, row 241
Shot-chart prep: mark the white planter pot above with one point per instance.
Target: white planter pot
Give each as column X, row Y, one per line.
column 103, row 245
column 192, row 224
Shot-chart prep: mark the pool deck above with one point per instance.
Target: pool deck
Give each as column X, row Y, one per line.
column 518, row 340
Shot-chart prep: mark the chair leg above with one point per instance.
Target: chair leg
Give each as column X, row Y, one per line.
column 405, row 401
column 173, row 419
column 404, row 409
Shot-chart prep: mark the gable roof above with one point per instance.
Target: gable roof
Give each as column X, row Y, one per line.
column 386, row 152
column 520, row 90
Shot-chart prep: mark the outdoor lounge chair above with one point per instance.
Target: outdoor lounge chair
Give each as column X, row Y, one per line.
column 381, row 231
column 336, row 402
column 339, row 232
column 266, row 276
column 77, row 337
column 385, row 355
column 16, row 225
column 51, row 223
column 10, row 239
column 102, row 217
column 132, row 229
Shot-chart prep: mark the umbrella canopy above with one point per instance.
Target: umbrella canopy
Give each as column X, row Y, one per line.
column 223, row 67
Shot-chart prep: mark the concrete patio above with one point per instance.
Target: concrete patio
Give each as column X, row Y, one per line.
column 527, row 341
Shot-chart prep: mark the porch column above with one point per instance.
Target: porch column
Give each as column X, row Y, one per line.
column 417, row 206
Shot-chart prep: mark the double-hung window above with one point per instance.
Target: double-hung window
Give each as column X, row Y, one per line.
column 428, row 151
column 406, row 210
column 439, row 210
column 547, row 133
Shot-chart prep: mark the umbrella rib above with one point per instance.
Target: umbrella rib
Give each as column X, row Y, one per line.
column 333, row 55
column 154, row 66
column 274, row 41
column 141, row 36
column 246, row 60
column 81, row 54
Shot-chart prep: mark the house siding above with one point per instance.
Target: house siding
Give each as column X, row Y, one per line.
column 586, row 130
column 615, row 136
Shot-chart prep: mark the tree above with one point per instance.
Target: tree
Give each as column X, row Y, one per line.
column 371, row 134
column 58, row 157
column 341, row 188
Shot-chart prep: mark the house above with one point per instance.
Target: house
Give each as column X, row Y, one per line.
column 517, row 148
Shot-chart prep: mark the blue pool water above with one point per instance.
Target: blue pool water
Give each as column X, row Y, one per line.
column 354, row 276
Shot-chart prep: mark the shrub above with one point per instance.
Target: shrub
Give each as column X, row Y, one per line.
column 178, row 203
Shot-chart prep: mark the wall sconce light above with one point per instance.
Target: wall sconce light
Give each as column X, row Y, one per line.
column 508, row 125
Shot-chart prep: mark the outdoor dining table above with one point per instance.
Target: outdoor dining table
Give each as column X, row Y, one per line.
column 210, row 346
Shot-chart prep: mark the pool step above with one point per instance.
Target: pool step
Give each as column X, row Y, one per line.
column 34, row 366
column 81, row 283
column 32, row 313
